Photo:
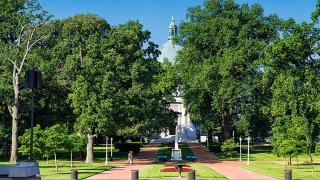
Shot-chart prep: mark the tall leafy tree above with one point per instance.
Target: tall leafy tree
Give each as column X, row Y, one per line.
column 292, row 74
column 56, row 140
column 76, row 143
column 19, row 33
column 39, row 144
column 220, row 65
column 83, row 41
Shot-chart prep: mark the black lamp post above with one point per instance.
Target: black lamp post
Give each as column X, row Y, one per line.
column 33, row 81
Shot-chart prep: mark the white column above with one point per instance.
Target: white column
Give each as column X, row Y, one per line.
column 240, row 148
column 106, row 151
column 111, row 139
column 248, row 160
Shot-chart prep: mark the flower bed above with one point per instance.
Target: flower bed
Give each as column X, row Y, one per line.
column 174, row 164
column 175, row 169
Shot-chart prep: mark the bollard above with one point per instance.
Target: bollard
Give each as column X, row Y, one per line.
column 192, row 175
column 288, row 174
column 134, row 174
column 74, row 174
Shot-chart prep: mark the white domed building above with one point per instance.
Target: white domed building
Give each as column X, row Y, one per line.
column 186, row 129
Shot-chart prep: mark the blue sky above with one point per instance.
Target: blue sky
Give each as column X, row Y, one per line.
column 155, row 15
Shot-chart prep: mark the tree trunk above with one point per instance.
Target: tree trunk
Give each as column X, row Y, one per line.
column 14, row 113
column 55, row 161
column 89, row 158
column 210, row 135
column 290, row 161
column 71, row 159
column 225, row 124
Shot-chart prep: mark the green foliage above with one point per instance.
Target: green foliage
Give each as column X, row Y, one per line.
column 56, row 138
column 76, row 142
column 292, row 75
column 290, row 148
column 128, row 146
column 215, row 147
column 228, row 146
column 39, row 143
column 220, row 64
column 243, row 127
column 317, row 149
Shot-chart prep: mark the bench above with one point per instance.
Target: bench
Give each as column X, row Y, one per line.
column 4, row 169
column 162, row 158
column 192, row 158
column 24, row 169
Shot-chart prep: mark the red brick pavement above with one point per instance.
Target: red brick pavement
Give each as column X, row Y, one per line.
column 123, row 171
column 229, row 169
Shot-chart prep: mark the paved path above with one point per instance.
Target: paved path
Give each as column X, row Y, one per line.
column 229, row 169
column 123, row 171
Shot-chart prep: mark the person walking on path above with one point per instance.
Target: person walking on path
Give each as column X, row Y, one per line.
column 122, row 171
column 130, row 157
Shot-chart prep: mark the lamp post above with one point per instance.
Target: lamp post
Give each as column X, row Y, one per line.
column 248, row 160
column 106, row 163
column 233, row 128
column 33, row 81
column 240, row 139
column 111, row 157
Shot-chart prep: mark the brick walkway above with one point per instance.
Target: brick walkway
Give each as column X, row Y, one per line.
column 229, row 169
column 123, row 171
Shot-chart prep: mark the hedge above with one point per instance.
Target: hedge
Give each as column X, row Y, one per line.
column 215, row 147
column 128, row 146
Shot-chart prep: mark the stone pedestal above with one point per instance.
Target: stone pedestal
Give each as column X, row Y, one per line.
column 176, row 152
column 176, row 155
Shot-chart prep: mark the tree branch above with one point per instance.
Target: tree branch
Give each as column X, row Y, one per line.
column 28, row 48
column 36, row 41
column 15, row 65
column 10, row 109
column 32, row 33
column 20, row 34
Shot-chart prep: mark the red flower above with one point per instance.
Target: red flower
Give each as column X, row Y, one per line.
column 173, row 165
column 175, row 170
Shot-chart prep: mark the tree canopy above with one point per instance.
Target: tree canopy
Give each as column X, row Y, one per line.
column 220, row 65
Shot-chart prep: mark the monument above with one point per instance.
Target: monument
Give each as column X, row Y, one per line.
column 186, row 130
column 176, row 152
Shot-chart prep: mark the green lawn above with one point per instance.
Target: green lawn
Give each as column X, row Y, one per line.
column 153, row 171
column 48, row 171
column 202, row 173
column 263, row 161
column 84, row 170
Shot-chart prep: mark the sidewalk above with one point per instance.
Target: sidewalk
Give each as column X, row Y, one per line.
column 123, row 171
column 229, row 169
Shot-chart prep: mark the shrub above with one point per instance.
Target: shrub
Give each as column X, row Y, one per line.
column 215, row 147
column 228, row 146
column 317, row 149
column 39, row 139
column 128, row 146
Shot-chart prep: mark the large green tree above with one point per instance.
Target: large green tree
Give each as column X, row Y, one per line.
column 220, row 64
column 85, row 73
column 292, row 68
column 112, row 78
column 20, row 22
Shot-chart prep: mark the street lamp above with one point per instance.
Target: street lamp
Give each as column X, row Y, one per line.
column 33, row 81
column 233, row 128
column 111, row 157
column 106, row 163
column 248, row 160
column 240, row 139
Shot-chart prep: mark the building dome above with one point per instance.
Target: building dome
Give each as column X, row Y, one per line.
column 169, row 50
